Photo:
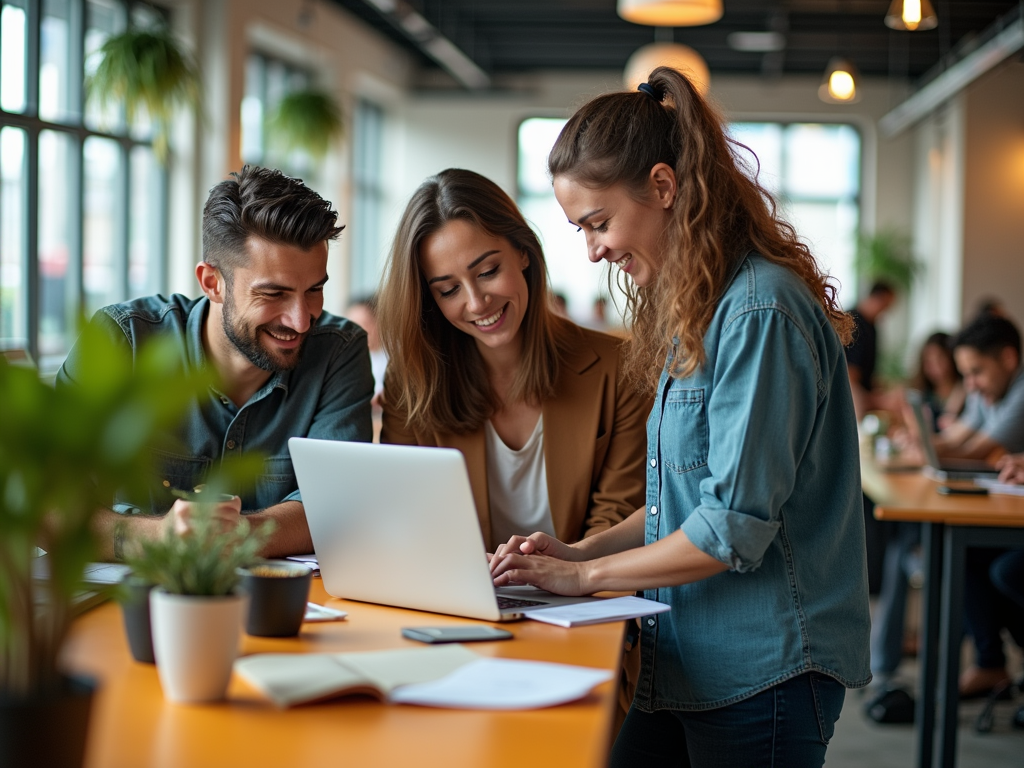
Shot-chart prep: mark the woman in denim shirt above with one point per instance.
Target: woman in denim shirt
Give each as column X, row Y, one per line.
column 752, row 530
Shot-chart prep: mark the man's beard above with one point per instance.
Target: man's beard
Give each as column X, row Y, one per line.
column 247, row 341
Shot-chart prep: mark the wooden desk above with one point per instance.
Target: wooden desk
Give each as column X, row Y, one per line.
column 951, row 524
column 134, row 726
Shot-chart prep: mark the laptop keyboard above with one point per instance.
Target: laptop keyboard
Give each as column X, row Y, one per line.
column 505, row 603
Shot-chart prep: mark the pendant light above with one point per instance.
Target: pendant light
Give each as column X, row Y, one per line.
column 911, row 15
column 679, row 57
column 839, row 86
column 670, row 13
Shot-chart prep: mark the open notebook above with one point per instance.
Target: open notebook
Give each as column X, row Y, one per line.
column 447, row 676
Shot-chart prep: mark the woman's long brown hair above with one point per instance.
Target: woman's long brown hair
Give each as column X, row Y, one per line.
column 719, row 215
column 435, row 372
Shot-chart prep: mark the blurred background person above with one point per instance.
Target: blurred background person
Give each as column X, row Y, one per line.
column 862, row 353
column 363, row 312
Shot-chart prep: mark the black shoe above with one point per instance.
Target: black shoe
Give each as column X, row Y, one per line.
column 893, row 705
column 1018, row 719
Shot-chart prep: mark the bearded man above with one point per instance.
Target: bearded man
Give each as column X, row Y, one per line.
column 284, row 367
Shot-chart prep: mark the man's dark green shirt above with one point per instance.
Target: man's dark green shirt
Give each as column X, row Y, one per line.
column 326, row 396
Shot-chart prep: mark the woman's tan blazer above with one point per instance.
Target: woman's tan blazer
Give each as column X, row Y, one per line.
column 595, row 443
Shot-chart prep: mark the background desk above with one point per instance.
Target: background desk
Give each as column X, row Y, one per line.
column 950, row 525
column 134, row 726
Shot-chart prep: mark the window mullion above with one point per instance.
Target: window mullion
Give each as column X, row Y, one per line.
column 121, row 264
column 31, row 223
column 33, row 15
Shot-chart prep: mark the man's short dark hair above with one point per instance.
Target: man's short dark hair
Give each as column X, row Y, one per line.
column 989, row 335
column 263, row 203
column 881, row 288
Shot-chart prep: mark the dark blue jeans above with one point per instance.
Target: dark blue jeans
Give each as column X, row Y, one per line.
column 787, row 726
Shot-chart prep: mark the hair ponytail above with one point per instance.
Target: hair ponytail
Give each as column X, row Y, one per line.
column 720, row 214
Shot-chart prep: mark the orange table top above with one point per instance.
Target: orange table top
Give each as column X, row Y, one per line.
column 134, row 726
column 913, row 497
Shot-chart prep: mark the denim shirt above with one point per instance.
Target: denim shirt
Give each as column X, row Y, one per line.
column 754, row 456
column 327, row 395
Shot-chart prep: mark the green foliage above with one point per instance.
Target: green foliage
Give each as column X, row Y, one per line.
column 64, row 453
column 308, row 120
column 147, row 69
column 887, row 255
column 203, row 563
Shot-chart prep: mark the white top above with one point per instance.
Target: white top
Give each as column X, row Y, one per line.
column 517, row 486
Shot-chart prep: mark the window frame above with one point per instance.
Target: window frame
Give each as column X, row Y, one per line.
column 77, row 129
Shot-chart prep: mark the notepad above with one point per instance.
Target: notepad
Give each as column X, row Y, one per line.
column 448, row 676
column 598, row 612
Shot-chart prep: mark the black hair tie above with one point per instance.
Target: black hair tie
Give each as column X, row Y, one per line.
column 650, row 91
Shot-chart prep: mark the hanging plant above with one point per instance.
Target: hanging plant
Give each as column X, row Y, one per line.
column 307, row 120
column 147, row 69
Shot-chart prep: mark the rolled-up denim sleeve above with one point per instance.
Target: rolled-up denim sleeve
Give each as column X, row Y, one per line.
column 343, row 410
column 761, row 412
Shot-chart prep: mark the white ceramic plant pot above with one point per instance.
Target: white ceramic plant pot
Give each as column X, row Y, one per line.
column 195, row 642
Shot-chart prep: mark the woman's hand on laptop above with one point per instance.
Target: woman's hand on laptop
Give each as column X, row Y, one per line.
column 558, row 576
column 534, row 544
column 1011, row 469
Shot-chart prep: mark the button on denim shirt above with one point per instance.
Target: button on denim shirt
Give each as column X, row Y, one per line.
column 755, row 457
column 327, row 395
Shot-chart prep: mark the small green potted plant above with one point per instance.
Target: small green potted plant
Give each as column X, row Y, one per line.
column 147, row 71
column 65, row 453
column 196, row 608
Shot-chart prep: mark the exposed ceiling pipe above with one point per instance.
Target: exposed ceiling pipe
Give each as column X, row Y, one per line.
column 432, row 43
column 919, row 105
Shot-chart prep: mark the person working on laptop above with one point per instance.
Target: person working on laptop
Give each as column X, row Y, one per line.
column 752, row 530
column 478, row 361
column 285, row 367
column 987, row 354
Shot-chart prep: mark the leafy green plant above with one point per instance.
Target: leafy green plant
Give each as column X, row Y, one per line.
column 147, row 69
column 64, row 453
column 887, row 255
column 204, row 563
column 308, row 120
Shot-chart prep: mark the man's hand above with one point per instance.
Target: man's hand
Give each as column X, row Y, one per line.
column 227, row 514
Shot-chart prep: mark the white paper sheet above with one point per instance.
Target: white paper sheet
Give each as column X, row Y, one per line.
column 597, row 612
column 998, row 488
column 504, row 684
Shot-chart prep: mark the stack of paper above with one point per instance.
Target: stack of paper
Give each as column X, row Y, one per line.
column 597, row 612
column 996, row 487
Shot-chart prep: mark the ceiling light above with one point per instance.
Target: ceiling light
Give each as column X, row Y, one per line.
column 911, row 15
column 839, row 86
column 679, row 57
column 756, row 42
column 670, row 13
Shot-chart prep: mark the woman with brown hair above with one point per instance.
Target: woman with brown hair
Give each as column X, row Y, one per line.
column 752, row 530
column 479, row 362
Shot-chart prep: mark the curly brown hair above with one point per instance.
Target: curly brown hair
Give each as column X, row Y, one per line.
column 720, row 214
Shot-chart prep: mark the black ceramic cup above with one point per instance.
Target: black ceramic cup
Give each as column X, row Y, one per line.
column 278, row 592
column 135, row 609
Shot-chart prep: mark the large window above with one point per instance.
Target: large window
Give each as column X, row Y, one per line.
column 267, row 81
column 813, row 170
column 82, row 199
column 368, row 198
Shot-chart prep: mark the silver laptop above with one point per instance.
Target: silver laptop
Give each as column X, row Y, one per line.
column 944, row 469
column 397, row 525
